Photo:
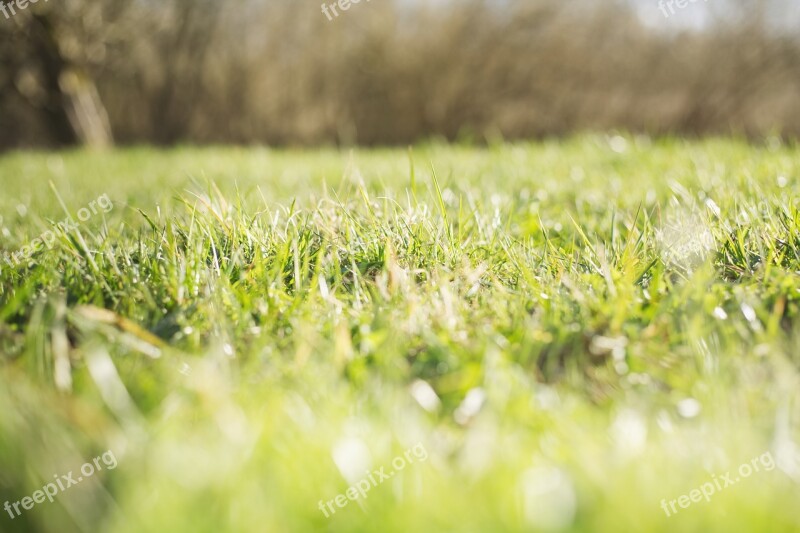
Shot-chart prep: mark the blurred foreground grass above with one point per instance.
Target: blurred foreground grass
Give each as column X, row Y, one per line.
column 572, row 332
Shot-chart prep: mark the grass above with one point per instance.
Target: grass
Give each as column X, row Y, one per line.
column 571, row 331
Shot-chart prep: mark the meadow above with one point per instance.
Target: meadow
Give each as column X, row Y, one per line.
column 578, row 335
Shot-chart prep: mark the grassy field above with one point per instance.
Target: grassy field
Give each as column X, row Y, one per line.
column 568, row 336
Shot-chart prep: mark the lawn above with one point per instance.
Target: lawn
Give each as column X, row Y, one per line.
column 596, row 334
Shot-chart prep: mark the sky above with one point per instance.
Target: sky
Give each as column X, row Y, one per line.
column 697, row 15
column 784, row 15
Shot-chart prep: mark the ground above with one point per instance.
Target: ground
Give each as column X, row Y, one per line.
column 596, row 334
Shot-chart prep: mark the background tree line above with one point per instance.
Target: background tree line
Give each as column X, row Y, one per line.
column 388, row 72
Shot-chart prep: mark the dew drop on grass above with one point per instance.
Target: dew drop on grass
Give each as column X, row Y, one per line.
column 749, row 313
column 618, row 144
column 425, row 396
column 689, row 408
column 470, row 406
